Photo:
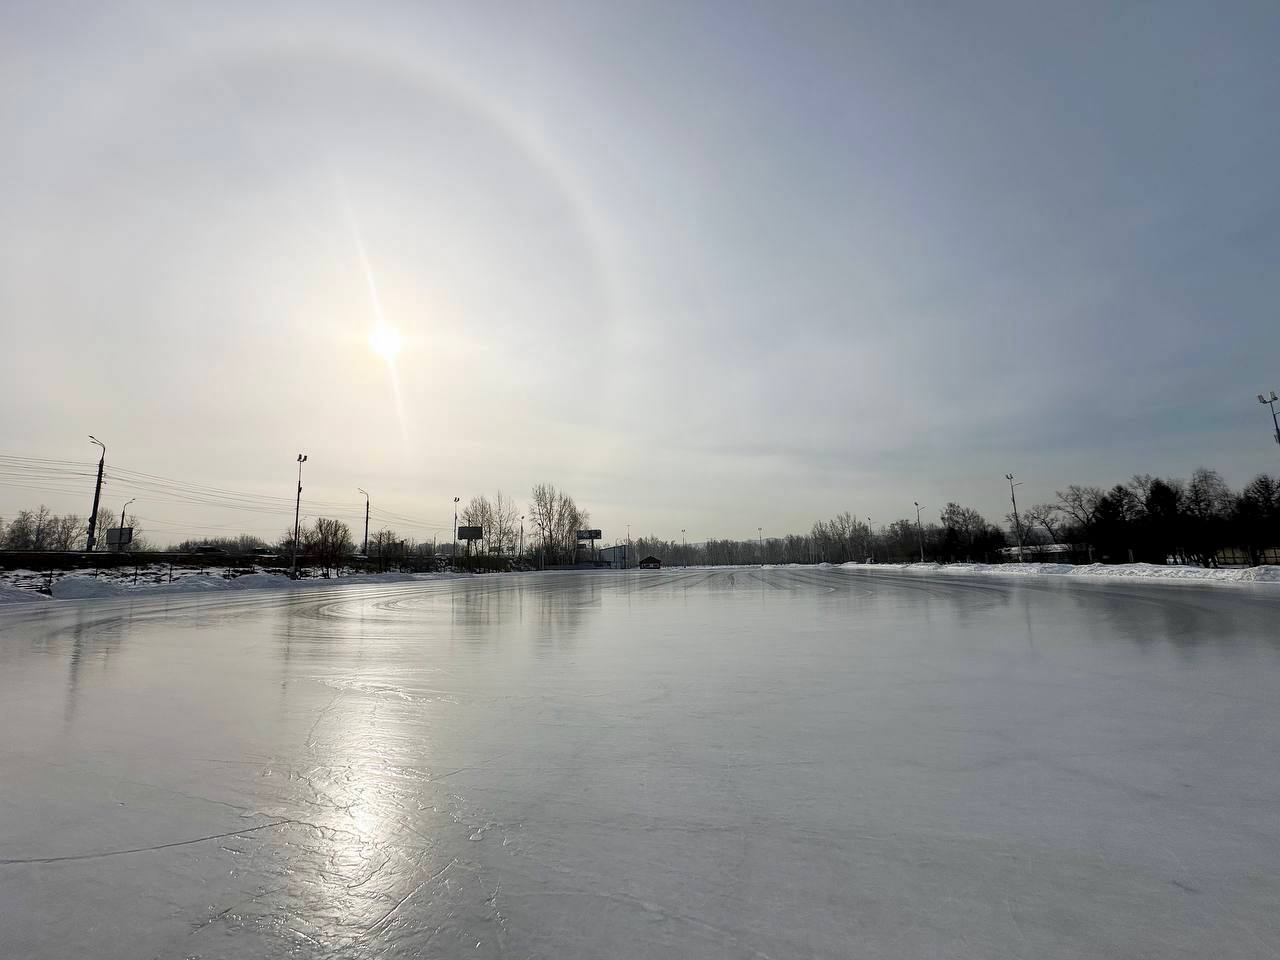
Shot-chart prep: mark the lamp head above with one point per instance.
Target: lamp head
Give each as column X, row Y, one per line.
column 1261, row 398
column 1273, row 395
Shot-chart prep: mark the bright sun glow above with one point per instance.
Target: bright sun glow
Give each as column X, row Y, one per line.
column 385, row 342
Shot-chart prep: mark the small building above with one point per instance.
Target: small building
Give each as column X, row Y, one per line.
column 650, row 563
column 616, row 557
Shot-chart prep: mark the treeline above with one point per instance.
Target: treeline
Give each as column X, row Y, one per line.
column 41, row 529
column 1149, row 519
column 1152, row 518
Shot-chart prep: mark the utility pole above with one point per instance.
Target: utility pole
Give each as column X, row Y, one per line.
column 366, row 521
column 1272, row 404
column 297, row 509
column 1017, row 521
column 919, row 530
column 120, row 543
column 455, row 529
column 97, row 494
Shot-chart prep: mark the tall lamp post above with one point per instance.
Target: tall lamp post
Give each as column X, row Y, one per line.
column 1017, row 521
column 97, row 494
column 455, row 527
column 684, row 547
column 297, row 509
column 366, row 520
column 920, row 530
column 120, row 543
column 760, row 541
column 1271, row 402
column 871, row 542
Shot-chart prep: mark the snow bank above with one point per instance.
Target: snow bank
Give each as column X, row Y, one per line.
column 1119, row 571
column 85, row 587
column 18, row 595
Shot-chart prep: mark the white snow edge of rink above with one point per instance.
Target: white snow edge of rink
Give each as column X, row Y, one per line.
column 1091, row 571
column 90, row 588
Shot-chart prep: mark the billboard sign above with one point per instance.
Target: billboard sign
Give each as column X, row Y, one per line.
column 119, row 536
column 471, row 533
column 589, row 535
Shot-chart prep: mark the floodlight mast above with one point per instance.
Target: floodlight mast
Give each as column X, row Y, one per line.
column 297, row 509
column 366, row 520
column 1271, row 402
column 1017, row 521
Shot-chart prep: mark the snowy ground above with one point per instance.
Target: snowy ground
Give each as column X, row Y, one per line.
column 1119, row 571
column 698, row 764
column 29, row 585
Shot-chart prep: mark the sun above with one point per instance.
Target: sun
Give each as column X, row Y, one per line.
column 385, row 342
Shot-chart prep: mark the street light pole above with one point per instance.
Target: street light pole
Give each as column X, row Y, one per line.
column 1272, row 404
column 760, row 541
column 97, row 494
column 1017, row 521
column 366, row 521
column 684, row 549
column 455, row 529
column 120, row 543
column 522, row 535
column 297, row 509
column 919, row 530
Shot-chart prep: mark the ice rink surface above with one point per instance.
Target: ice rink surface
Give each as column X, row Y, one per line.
column 696, row 764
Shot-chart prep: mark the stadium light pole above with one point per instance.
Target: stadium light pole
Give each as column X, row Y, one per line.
column 1272, row 404
column 1017, row 521
column 920, row 530
column 120, row 543
column 97, row 494
column 297, row 510
column 366, row 521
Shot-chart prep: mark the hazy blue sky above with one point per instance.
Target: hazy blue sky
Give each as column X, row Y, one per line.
column 709, row 266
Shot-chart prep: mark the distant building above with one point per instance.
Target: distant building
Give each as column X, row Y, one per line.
column 650, row 563
column 615, row 557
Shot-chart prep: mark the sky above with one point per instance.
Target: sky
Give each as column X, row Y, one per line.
column 705, row 266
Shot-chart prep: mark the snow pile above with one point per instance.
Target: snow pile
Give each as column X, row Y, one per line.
column 1118, row 571
column 18, row 595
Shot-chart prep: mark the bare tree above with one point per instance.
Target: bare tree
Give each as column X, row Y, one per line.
column 66, row 533
column 503, row 524
column 557, row 520
column 330, row 543
column 385, row 545
column 1080, row 504
column 1043, row 516
column 479, row 513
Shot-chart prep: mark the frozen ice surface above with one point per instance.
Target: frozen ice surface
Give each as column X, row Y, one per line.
column 734, row 763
